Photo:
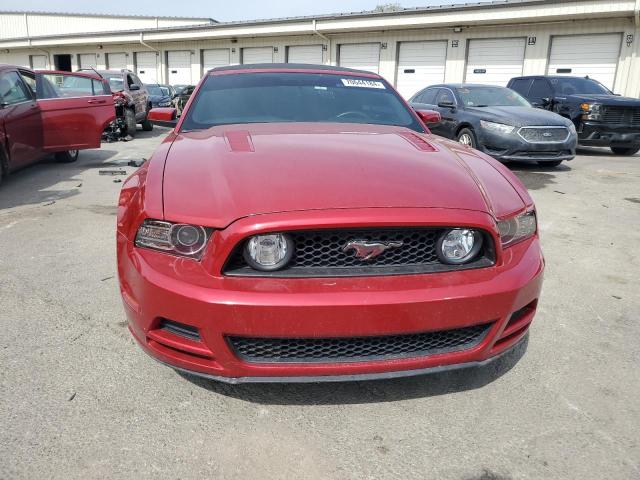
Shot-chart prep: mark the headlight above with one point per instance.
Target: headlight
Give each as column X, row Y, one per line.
column 164, row 104
column 268, row 252
column 497, row 127
column 175, row 238
column 459, row 245
column 518, row 228
column 592, row 111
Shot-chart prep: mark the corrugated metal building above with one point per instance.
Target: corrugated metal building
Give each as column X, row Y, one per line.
column 487, row 42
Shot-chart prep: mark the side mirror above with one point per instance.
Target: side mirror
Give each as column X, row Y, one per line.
column 447, row 104
column 429, row 117
column 134, row 87
column 163, row 117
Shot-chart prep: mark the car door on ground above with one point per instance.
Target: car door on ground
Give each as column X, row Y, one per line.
column 21, row 118
column 75, row 108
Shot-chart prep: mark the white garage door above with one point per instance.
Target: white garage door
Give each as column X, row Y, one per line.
column 218, row 57
column 179, row 66
column 420, row 64
column 305, row 54
column 147, row 66
column 581, row 55
column 116, row 61
column 495, row 61
column 257, row 55
column 362, row 56
column 39, row 62
column 87, row 60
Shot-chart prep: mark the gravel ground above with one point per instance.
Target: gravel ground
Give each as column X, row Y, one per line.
column 78, row 399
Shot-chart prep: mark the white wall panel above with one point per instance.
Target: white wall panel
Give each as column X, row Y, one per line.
column 215, row 57
column 147, row 66
column 116, row 61
column 420, row 64
column 257, row 55
column 87, row 60
column 305, row 54
column 179, row 67
column 495, row 61
column 361, row 56
column 580, row 55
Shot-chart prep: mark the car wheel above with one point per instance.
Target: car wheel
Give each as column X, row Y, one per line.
column 467, row 137
column 130, row 121
column 67, row 157
column 147, row 126
column 553, row 163
column 625, row 150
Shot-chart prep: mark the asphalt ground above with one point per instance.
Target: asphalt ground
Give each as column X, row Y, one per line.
column 78, row 399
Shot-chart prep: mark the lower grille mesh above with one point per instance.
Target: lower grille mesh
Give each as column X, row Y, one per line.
column 353, row 349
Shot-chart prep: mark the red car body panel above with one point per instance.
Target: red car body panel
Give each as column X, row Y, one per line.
column 31, row 129
column 242, row 180
column 234, row 176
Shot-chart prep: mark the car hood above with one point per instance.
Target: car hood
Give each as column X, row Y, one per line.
column 520, row 116
column 604, row 99
column 216, row 176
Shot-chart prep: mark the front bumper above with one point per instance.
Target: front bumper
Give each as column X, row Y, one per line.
column 596, row 134
column 157, row 286
column 512, row 147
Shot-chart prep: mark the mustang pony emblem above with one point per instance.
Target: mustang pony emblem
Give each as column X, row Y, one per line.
column 366, row 250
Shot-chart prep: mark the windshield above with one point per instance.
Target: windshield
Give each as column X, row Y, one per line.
column 573, row 86
column 116, row 83
column 491, row 97
column 155, row 90
column 296, row 97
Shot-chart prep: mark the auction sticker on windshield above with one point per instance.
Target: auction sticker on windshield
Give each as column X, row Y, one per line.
column 352, row 82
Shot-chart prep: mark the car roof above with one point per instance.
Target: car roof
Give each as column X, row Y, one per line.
column 461, row 85
column 292, row 67
column 526, row 77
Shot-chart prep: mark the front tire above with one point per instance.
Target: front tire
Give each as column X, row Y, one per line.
column 626, row 150
column 130, row 122
column 552, row 164
column 467, row 137
column 67, row 157
column 147, row 126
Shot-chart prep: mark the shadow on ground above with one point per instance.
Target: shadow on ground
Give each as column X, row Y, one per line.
column 337, row 393
column 537, row 177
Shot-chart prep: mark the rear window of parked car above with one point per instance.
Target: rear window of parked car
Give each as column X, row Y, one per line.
column 296, row 97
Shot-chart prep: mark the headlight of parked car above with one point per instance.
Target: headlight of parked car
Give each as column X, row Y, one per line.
column 175, row 238
column 517, row 228
column 457, row 246
column 592, row 111
column 497, row 127
column 268, row 252
column 165, row 104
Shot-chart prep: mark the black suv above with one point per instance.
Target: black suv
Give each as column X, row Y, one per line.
column 602, row 118
column 131, row 99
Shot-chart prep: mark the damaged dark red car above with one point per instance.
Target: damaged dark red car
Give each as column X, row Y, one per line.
column 300, row 223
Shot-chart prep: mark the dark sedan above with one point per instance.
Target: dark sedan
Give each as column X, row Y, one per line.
column 159, row 95
column 499, row 122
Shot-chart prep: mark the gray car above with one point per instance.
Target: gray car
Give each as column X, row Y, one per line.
column 499, row 122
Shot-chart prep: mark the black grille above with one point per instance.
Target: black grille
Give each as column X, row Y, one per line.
column 544, row 134
column 621, row 115
column 180, row 329
column 353, row 349
column 320, row 253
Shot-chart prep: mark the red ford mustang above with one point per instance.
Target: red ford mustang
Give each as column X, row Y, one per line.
column 301, row 224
